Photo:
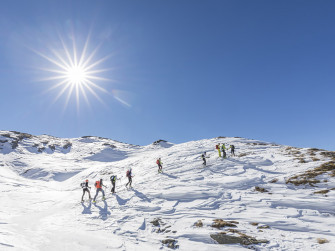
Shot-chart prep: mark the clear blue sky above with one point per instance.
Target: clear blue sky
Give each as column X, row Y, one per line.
column 188, row 69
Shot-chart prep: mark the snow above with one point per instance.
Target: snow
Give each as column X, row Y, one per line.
column 41, row 210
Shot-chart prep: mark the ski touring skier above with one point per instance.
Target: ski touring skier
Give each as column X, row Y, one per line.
column 129, row 176
column 113, row 180
column 159, row 163
column 85, row 187
column 98, row 186
column 223, row 150
column 218, row 148
column 232, row 150
column 203, row 156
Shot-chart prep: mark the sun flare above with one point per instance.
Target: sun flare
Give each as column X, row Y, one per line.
column 75, row 74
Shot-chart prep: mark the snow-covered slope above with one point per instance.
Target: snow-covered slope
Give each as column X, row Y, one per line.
column 279, row 195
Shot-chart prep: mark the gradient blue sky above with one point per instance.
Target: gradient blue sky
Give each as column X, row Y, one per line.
column 188, row 69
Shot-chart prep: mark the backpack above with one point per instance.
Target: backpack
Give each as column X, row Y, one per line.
column 128, row 173
column 217, row 146
column 83, row 185
column 113, row 178
column 157, row 162
column 97, row 184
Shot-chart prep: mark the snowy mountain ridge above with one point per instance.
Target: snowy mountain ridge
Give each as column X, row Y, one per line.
column 267, row 197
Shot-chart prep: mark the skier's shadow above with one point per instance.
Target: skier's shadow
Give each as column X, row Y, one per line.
column 141, row 195
column 170, row 176
column 87, row 209
column 103, row 211
column 120, row 201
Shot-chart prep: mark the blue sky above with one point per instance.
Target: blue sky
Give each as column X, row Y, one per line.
column 177, row 70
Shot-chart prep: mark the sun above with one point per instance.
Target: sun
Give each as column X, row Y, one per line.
column 75, row 74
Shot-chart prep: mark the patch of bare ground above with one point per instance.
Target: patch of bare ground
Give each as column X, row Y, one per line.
column 322, row 191
column 322, row 240
column 313, row 151
column 259, row 144
column 309, row 176
column 219, row 223
column 328, row 154
column 293, row 151
column 244, row 154
column 261, row 189
column 274, row 180
column 198, row 224
column 301, row 160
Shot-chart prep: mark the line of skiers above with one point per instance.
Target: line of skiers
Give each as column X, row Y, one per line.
column 222, row 149
column 99, row 184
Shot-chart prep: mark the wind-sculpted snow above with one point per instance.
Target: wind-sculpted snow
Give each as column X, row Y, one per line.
column 40, row 180
column 108, row 155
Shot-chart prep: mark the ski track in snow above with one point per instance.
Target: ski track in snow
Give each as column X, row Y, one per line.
column 41, row 207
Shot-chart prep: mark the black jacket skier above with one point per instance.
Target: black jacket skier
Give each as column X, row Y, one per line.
column 129, row 175
column 85, row 188
column 113, row 180
column 203, row 156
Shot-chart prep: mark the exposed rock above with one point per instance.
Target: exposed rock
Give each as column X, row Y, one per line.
column 41, row 149
column 156, row 222
column 22, row 136
column 229, row 239
column 52, row 147
column 198, row 224
column 159, row 141
column 15, row 144
column 171, row 243
column 110, row 145
column 67, row 145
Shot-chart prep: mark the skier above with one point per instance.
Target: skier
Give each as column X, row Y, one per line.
column 223, row 150
column 99, row 185
column 129, row 175
column 218, row 148
column 85, row 188
column 203, row 156
column 113, row 180
column 232, row 150
column 159, row 163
